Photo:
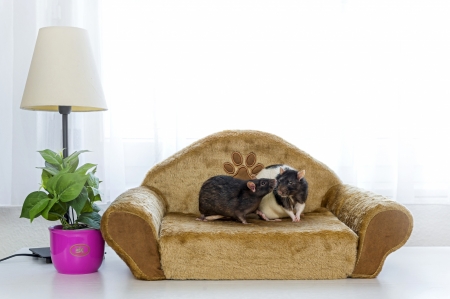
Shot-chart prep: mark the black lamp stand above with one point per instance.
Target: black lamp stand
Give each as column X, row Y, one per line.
column 65, row 111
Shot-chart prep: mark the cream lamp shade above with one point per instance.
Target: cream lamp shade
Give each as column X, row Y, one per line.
column 63, row 73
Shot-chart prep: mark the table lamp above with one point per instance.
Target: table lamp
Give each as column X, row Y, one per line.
column 63, row 76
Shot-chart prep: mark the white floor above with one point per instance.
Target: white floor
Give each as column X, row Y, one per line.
column 411, row 272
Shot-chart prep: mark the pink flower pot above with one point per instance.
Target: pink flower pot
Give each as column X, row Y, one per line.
column 76, row 251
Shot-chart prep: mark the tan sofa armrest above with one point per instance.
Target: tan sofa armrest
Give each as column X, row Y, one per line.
column 131, row 227
column 382, row 225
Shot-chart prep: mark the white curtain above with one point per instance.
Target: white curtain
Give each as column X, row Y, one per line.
column 362, row 86
column 23, row 132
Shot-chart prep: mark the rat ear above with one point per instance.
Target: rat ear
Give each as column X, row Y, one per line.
column 281, row 170
column 301, row 174
column 251, row 186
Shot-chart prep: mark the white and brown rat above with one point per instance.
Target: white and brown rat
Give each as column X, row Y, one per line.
column 289, row 196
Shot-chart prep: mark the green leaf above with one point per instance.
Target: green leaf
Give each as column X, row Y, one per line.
column 92, row 180
column 37, row 198
column 45, row 176
column 88, row 207
column 48, row 207
column 95, row 208
column 94, row 194
column 84, row 169
column 56, row 167
column 52, row 182
column 78, row 203
column 50, row 170
column 38, row 208
column 69, row 186
column 57, row 211
column 52, row 216
column 96, row 198
column 72, row 165
column 51, row 157
column 95, row 191
column 91, row 219
column 74, row 156
column 72, row 161
column 67, row 169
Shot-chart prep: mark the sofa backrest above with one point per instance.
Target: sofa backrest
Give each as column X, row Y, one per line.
column 178, row 179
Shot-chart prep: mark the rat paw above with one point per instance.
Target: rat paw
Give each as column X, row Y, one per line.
column 244, row 170
column 264, row 217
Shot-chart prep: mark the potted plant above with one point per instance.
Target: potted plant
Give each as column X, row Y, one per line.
column 68, row 193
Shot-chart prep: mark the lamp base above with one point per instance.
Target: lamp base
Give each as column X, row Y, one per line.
column 43, row 252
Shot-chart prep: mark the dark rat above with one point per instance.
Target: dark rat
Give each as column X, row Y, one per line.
column 288, row 198
column 225, row 196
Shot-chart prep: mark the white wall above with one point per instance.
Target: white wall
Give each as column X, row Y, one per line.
column 16, row 233
column 430, row 225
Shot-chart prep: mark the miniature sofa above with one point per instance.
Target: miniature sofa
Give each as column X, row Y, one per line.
column 345, row 231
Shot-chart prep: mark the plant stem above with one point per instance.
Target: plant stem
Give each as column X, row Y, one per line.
column 64, row 223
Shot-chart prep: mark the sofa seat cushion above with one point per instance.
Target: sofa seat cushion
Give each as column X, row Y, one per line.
column 318, row 247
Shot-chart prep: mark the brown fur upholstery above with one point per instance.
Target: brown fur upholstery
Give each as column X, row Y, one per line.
column 153, row 227
column 382, row 225
column 131, row 227
column 195, row 164
column 319, row 247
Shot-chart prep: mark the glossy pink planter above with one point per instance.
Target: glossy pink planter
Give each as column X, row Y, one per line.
column 76, row 251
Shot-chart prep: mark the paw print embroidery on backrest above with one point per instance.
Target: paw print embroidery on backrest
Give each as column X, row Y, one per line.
column 240, row 169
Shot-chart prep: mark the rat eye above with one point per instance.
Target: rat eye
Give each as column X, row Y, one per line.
column 263, row 183
column 289, row 183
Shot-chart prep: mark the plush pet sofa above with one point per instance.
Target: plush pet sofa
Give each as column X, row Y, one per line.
column 345, row 231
